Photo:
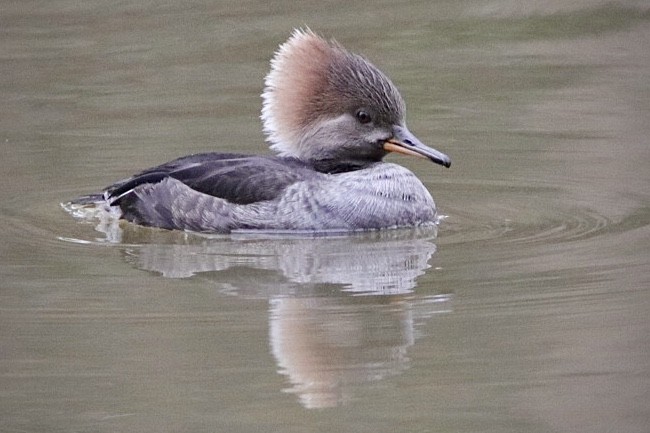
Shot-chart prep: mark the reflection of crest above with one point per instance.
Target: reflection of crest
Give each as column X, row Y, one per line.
column 329, row 345
column 325, row 338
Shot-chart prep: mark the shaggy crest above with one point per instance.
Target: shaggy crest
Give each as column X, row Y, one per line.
column 312, row 79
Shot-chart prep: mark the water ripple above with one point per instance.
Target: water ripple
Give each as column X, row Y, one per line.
column 522, row 223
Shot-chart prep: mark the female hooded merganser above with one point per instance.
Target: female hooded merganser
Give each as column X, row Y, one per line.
column 331, row 116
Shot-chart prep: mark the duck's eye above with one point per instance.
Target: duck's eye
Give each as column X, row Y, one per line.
column 363, row 116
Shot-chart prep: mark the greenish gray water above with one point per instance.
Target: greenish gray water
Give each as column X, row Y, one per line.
column 529, row 311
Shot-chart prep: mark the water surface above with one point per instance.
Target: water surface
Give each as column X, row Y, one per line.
column 528, row 309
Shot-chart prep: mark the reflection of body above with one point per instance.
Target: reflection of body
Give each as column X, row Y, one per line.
column 382, row 262
column 332, row 116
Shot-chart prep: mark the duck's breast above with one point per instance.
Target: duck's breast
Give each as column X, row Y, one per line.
column 384, row 195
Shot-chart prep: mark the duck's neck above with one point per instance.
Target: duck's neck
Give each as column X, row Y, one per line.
column 334, row 166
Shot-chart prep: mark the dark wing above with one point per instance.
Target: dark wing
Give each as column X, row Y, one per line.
column 240, row 179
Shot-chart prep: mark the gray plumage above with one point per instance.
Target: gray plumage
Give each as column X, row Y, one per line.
column 383, row 195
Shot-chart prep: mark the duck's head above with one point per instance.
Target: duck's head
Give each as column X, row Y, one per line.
column 333, row 108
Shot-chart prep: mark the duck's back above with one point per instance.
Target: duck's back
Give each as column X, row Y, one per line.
column 237, row 178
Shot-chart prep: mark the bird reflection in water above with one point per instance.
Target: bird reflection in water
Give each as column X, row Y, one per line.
column 343, row 310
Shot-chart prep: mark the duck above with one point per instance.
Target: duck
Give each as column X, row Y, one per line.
column 331, row 117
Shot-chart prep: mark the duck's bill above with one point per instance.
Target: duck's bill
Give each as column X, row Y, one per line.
column 406, row 143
